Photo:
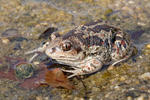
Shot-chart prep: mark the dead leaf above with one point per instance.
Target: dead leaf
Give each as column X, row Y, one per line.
column 56, row 78
column 8, row 75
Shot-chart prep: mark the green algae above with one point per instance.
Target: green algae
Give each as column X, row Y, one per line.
column 24, row 70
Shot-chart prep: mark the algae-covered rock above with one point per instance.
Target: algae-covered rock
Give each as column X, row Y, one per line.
column 146, row 49
column 24, row 70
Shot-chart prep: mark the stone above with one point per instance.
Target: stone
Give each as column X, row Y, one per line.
column 145, row 76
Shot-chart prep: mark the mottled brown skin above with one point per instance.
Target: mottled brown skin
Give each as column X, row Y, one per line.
column 88, row 47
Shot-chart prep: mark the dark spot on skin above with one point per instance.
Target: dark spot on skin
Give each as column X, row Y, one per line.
column 78, row 49
column 83, row 28
column 106, row 44
column 93, row 40
column 123, row 43
column 80, row 37
column 76, row 46
column 118, row 38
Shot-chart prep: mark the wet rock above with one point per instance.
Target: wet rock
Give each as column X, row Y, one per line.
column 117, row 87
column 145, row 76
column 78, row 98
column 10, row 33
column 17, row 46
column 133, row 93
column 39, row 98
column 95, row 89
column 36, row 62
column 146, row 49
column 47, row 33
column 18, row 39
column 135, row 34
column 140, row 97
column 5, row 40
column 148, row 46
column 129, row 98
column 24, row 70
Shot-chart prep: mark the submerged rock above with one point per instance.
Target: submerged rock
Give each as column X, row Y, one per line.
column 145, row 76
column 146, row 50
column 24, row 70
column 11, row 35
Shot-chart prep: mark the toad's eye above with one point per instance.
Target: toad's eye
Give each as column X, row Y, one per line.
column 66, row 46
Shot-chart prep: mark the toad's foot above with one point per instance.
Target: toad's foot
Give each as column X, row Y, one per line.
column 37, row 51
column 91, row 67
column 126, row 57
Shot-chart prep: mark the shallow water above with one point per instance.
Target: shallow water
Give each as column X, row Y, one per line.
column 30, row 18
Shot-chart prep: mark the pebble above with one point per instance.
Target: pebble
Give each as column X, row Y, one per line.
column 36, row 62
column 39, row 98
column 77, row 98
column 122, row 78
column 117, row 87
column 140, row 97
column 129, row 98
column 140, row 57
column 95, row 89
column 145, row 76
column 141, row 23
column 24, row 70
column 131, row 2
column 5, row 40
column 148, row 46
column 46, row 98
column 10, row 33
column 107, row 95
column 146, row 50
column 17, row 46
column 44, row 24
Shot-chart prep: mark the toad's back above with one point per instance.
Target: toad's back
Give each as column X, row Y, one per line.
column 96, row 38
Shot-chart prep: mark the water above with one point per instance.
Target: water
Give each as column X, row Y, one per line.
column 33, row 17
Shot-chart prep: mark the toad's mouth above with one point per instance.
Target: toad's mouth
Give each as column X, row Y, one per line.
column 68, row 62
column 73, row 58
column 63, row 58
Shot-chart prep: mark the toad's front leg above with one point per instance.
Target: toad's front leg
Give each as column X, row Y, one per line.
column 88, row 67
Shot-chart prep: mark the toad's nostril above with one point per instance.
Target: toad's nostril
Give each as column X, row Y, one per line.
column 53, row 49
